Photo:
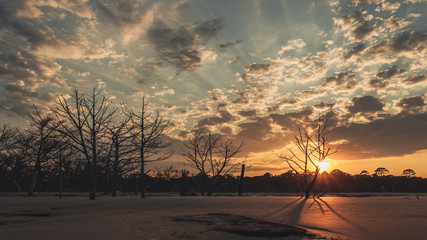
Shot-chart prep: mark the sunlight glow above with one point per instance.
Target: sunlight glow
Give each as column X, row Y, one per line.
column 323, row 166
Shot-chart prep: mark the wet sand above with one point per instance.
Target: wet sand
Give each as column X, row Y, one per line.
column 217, row 217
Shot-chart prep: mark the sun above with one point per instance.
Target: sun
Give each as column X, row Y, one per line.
column 323, row 166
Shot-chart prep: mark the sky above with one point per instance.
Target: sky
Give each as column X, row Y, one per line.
column 246, row 69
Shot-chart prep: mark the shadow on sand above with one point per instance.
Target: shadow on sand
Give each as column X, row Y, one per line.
column 301, row 205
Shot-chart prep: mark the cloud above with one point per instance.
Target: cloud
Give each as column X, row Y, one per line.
column 408, row 41
column 258, row 68
column 44, row 40
column 391, row 72
column 310, row 93
column 365, row 104
column 292, row 119
column 19, row 99
column 181, row 47
column 248, row 113
column 324, row 105
column 378, row 83
column 388, row 6
column 355, row 51
column 209, row 29
column 399, row 44
column 414, row 79
column 224, row 117
column 395, row 135
column 362, row 30
column 32, row 8
column 356, row 26
column 411, row 104
column 296, row 44
column 278, row 105
column 30, row 69
column 258, row 136
column 225, row 46
column 165, row 91
column 131, row 18
column 257, row 129
column 344, row 80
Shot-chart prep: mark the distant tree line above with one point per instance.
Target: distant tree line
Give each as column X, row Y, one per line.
column 170, row 179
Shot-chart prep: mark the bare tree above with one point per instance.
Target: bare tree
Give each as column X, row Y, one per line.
column 84, row 122
column 9, row 156
column 122, row 151
column 210, row 156
column 38, row 143
column 62, row 158
column 312, row 149
column 148, row 132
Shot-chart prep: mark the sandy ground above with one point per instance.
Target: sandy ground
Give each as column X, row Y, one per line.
column 175, row 217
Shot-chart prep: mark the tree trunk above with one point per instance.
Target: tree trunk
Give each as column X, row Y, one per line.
column 310, row 186
column 136, row 185
column 115, row 173
column 210, row 188
column 34, row 178
column 18, row 187
column 107, row 178
column 142, row 176
column 61, row 178
column 93, row 182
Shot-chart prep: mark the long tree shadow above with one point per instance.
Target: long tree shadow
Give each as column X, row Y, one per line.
column 353, row 224
column 294, row 215
column 318, row 204
column 282, row 208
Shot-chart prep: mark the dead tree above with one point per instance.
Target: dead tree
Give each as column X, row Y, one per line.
column 148, row 132
column 8, row 153
column 312, row 146
column 122, row 151
column 84, row 121
column 38, row 143
column 210, row 156
column 62, row 156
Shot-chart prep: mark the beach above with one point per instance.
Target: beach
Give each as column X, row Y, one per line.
column 215, row 217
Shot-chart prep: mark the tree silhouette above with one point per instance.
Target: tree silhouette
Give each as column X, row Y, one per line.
column 148, row 131
column 312, row 149
column 408, row 173
column 364, row 173
column 84, row 121
column 211, row 156
column 121, row 153
column 39, row 142
column 381, row 171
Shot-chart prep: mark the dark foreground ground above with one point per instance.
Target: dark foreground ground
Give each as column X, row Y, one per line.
column 217, row 217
